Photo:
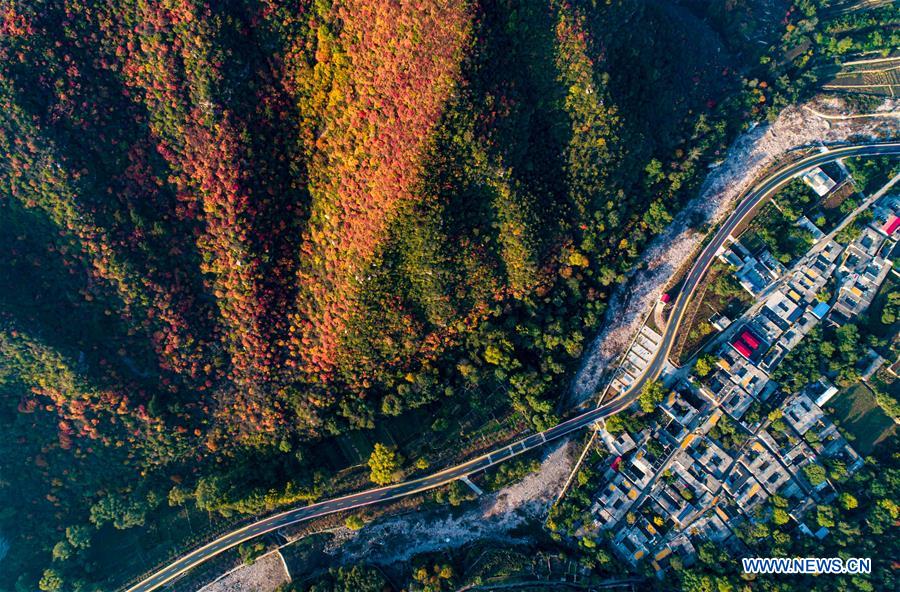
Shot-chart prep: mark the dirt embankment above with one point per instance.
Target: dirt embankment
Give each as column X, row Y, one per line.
column 749, row 156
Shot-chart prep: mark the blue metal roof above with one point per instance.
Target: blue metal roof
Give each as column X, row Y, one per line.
column 821, row 310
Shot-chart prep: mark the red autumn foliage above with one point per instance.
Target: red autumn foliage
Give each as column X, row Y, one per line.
column 387, row 68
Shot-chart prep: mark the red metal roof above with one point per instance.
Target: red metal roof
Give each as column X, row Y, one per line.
column 616, row 463
column 665, row 297
column 742, row 348
column 892, row 225
column 750, row 339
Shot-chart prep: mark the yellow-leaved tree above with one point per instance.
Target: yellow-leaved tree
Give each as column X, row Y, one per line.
column 384, row 465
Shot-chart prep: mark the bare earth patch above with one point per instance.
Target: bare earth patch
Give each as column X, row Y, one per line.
column 265, row 575
column 749, row 156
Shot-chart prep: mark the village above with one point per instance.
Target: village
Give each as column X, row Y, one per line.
column 733, row 445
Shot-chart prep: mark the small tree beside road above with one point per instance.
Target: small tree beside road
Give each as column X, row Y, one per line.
column 383, row 464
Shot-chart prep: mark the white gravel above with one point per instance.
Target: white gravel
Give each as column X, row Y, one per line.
column 748, row 156
column 402, row 537
column 265, row 575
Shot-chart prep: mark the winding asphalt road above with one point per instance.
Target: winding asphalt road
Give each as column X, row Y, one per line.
column 758, row 194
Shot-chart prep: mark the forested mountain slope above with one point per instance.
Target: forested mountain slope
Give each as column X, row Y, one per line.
column 230, row 230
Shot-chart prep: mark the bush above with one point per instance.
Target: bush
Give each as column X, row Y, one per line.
column 251, row 551
column 815, row 474
column 780, row 517
column 706, row 363
column 651, row 396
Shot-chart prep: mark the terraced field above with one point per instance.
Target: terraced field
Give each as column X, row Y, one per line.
column 880, row 77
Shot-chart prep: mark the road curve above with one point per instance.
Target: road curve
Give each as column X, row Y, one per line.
column 759, row 193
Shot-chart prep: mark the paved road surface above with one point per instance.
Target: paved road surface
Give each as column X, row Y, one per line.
column 763, row 190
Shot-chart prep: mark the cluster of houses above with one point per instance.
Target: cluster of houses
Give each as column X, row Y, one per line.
column 672, row 486
column 718, row 457
column 754, row 272
column 865, row 266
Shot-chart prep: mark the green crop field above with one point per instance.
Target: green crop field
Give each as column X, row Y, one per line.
column 858, row 414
